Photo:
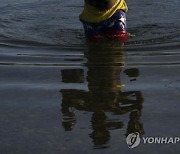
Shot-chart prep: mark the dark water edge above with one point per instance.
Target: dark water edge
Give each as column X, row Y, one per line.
column 60, row 94
column 32, row 115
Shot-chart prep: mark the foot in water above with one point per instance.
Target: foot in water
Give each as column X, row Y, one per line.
column 117, row 35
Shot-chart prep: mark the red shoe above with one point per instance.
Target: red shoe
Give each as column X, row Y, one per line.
column 121, row 35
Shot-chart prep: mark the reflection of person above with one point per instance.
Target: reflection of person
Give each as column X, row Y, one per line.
column 104, row 95
column 105, row 18
column 100, row 134
column 134, row 124
column 70, row 76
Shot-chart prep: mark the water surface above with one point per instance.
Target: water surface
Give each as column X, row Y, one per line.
column 60, row 94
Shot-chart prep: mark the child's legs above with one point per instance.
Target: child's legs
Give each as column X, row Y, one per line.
column 113, row 28
column 93, row 31
column 116, row 26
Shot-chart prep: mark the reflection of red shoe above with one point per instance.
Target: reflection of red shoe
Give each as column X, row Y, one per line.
column 121, row 35
column 96, row 38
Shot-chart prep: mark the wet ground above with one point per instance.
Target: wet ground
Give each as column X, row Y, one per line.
column 60, row 94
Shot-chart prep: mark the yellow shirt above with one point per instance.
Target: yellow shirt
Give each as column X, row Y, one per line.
column 91, row 14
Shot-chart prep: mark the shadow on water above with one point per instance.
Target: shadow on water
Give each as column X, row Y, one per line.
column 38, row 38
column 104, row 95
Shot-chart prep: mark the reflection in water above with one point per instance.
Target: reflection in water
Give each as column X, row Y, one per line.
column 104, row 95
